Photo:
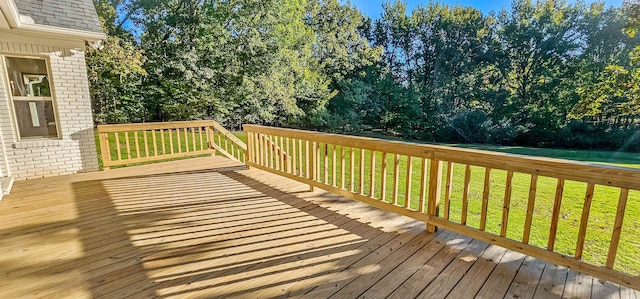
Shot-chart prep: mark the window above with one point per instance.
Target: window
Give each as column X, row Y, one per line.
column 31, row 97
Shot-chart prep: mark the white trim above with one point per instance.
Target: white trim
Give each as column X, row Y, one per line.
column 10, row 98
column 11, row 13
column 40, row 38
column 62, row 32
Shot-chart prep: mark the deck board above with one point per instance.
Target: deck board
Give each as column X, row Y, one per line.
column 209, row 227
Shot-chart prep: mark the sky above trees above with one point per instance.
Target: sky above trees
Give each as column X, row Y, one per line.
column 373, row 8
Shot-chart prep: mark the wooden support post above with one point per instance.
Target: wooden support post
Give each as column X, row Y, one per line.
column 250, row 148
column 435, row 182
column 104, row 150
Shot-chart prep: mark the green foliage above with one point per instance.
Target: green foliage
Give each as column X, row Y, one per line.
column 114, row 68
column 542, row 73
column 615, row 97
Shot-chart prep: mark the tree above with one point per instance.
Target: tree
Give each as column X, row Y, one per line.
column 114, row 69
column 615, row 98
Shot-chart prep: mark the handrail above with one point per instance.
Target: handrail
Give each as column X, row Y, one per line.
column 381, row 173
column 123, row 144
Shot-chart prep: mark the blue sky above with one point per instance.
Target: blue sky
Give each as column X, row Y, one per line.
column 373, row 8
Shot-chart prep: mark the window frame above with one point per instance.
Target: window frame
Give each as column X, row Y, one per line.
column 11, row 98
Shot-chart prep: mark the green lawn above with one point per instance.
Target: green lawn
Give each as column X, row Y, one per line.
column 600, row 221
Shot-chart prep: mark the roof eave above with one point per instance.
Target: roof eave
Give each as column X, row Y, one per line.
column 16, row 22
column 63, row 32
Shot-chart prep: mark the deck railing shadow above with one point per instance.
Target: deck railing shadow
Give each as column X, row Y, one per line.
column 218, row 232
column 147, row 232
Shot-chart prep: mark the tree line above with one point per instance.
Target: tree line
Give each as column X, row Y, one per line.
column 545, row 73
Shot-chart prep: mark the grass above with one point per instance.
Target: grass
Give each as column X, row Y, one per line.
column 601, row 218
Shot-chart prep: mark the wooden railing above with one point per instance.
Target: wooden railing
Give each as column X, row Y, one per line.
column 525, row 204
column 138, row 143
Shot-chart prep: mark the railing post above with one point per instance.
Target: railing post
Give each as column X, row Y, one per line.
column 104, row 150
column 210, row 137
column 249, row 155
column 435, row 182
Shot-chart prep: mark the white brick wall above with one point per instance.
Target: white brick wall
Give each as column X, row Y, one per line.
column 75, row 151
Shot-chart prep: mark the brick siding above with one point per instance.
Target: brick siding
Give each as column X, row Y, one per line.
column 75, row 151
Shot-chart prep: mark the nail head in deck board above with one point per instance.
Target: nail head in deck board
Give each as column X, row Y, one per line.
column 577, row 286
column 526, row 281
column 500, row 279
column 475, row 277
column 405, row 269
column 413, row 286
column 455, row 271
column 552, row 282
column 368, row 264
column 603, row 289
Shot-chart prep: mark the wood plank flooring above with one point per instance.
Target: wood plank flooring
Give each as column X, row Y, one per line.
column 210, row 228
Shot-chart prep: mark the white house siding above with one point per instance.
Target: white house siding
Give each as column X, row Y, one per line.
column 75, row 151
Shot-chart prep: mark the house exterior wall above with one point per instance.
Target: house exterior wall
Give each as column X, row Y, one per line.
column 75, row 150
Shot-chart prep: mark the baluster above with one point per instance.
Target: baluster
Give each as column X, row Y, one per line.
column 293, row 157
column 334, row 166
column 126, row 141
column 556, row 215
column 202, row 139
column 283, row 155
column 617, row 228
column 179, row 140
column 118, row 146
column 372, row 179
column 506, row 204
column 146, row 143
column 289, row 157
column 447, row 190
column 186, row 140
column 396, row 172
column 407, row 195
column 485, row 198
column 361, row 182
column 300, row 154
column 423, row 183
column 351, row 170
column 383, row 177
column 308, row 161
column 154, row 139
column 530, row 204
column 586, row 209
column 342, row 167
column 326, row 164
column 465, row 195
column 136, row 143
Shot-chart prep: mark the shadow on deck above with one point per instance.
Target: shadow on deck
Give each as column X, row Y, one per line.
column 208, row 227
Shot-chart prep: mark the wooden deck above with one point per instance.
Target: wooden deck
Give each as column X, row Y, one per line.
column 208, row 227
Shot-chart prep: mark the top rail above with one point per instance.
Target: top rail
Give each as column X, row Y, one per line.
column 557, row 168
